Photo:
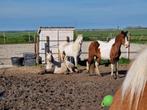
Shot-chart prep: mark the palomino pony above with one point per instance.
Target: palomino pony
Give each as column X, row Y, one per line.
column 53, row 66
column 110, row 50
column 72, row 49
column 133, row 93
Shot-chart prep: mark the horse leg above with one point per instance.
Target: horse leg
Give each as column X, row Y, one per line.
column 70, row 69
column 89, row 63
column 112, row 71
column 112, row 68
column 87, row 66
column 75, row 58
column 96, row 68
column 60, row 57
column 116, row 69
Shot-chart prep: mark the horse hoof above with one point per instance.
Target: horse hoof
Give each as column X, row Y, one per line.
column 100, row 75
column 66, row 73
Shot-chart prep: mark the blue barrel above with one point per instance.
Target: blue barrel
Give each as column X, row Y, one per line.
column 29, row 55
column 17, row 61
column 29, row 62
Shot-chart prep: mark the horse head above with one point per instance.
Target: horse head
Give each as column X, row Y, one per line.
column 123, row 38
column 49, row 56
column 79, row 39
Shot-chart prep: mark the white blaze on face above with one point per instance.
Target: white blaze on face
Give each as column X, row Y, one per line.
column 126, row 42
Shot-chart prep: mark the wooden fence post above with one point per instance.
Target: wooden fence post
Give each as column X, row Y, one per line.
column 37, row 49
column 59, row 59
column 128, row 50
column 48, row 43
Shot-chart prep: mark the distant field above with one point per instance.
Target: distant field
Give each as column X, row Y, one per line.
column 18, row 37
column 137, row 35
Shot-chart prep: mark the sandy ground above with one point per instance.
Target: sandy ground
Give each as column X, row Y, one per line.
column 24, row 88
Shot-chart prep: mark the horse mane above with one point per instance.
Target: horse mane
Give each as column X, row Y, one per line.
column 122, row 33
column 79, row 38
column 112, row 40
column 135, row 80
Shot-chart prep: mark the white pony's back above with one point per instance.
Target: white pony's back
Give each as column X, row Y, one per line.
column 71, row 48
column 105, row 48
column 136, row 79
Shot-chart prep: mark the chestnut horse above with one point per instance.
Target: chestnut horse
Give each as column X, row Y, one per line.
column 111, row 50
column 133, row 93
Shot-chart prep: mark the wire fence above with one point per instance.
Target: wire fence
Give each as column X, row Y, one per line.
column 29, row 37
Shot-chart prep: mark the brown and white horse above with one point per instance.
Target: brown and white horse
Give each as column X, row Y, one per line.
column 110, row 50
column 133, row 93
column 94, row 56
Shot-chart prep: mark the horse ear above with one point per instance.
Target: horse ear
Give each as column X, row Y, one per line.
column 50, row 51
column 64, row 53
column 122, row 32
column 98, row 44
column 126, row 32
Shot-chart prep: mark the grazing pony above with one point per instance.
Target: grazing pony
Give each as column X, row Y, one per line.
column 53, row 66
column 72, row 49
column 133, row 93
column 111, row 50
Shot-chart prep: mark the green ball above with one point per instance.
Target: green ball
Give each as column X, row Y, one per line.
column 107, row 101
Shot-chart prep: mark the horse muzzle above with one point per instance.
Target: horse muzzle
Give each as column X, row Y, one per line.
column 127, row 45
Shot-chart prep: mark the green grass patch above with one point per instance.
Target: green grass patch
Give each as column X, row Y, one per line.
column 137, row 35
column 121, row 61
column 15, row 37
column 124, row 61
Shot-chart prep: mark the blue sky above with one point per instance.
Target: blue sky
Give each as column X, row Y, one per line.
column 31, row 14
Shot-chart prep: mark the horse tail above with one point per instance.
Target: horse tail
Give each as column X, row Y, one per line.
column 98, row 55
column 135, row 80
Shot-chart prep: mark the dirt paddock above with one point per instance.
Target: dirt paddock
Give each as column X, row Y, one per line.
column 23, row 88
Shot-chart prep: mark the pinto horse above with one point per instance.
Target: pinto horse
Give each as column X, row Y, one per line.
column 72, row 49
column 133, row 93
column 93, row 55
column 111, row 50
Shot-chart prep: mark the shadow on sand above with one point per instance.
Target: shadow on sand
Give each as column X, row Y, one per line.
column 122, row 73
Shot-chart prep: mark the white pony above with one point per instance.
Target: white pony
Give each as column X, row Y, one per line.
column 133, row 93
column 53, row 66
column 72, row 49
